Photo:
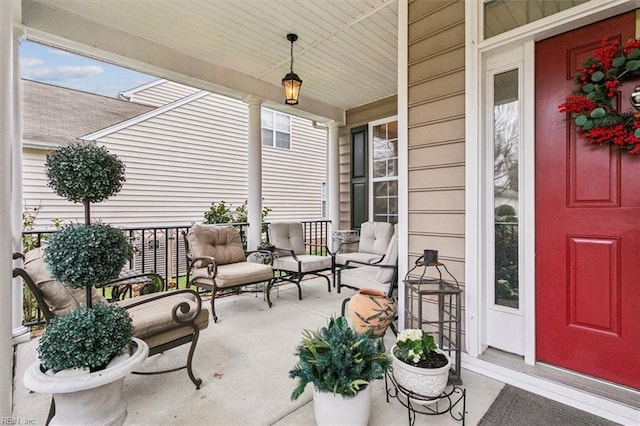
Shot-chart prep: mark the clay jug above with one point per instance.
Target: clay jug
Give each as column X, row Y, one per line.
column 371, row 310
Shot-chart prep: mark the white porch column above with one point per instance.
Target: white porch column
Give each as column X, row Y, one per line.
column 254, row 181
column 7, row 92
column 19, row 332
column 333, row 164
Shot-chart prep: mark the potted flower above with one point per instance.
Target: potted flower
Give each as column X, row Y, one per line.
column 85, row 355
column 340, row 363
column 419, row 366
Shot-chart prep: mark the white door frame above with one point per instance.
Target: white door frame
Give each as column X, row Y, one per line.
column 478, row 223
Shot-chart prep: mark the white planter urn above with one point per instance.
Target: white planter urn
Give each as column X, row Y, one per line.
column 336, row 410
column 428, row 382
column 88, row 398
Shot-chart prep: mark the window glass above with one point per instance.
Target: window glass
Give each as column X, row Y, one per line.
column 506, row 145
column 504, row 15
column 384, row 175
column 276, row 129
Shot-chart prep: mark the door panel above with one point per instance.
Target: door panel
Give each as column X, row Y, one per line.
column 587, row 223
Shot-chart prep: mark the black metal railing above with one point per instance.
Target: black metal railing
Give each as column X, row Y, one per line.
column 160, row 249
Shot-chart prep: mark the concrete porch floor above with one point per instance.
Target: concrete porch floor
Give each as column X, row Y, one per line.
column 244, row 361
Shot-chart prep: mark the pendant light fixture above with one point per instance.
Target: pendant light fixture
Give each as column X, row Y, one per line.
column 291, row 82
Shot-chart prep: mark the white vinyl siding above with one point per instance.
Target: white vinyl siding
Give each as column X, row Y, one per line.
column 161, row 94
column 180, row 161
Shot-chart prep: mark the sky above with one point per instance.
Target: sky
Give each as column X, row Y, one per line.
column 60, row 68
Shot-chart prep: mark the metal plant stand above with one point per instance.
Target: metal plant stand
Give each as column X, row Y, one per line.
column 453, row 400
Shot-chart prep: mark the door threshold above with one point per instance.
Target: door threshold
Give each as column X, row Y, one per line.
column 621, row 394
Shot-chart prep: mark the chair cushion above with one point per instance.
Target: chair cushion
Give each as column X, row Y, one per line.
column 59, row 298
column 288, row 235
column 363, row 277
column 375, row 237
column 342, row 258
column 385, row 275
column 308, row 263
column 234, row 274
column 153, row 321
column 223, row 243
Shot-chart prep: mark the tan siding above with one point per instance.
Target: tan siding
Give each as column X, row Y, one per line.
column 436, row 132
column 181, row 161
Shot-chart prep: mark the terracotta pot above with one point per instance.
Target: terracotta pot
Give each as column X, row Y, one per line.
column 428, row 382
column 371, row 310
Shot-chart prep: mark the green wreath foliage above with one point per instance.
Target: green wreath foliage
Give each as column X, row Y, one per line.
column 84, row 172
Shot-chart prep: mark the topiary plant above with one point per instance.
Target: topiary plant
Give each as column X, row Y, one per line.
column 84, row 172
column 337, row 359
column 84, row 255
column 85, row 338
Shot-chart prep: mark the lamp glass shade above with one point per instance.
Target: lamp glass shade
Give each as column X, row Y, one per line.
column 291, row 84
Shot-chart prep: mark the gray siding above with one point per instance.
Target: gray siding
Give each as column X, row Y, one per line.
column 161, row 94
column 180, row 161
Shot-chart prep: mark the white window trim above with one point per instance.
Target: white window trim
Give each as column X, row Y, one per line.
column 372, row 124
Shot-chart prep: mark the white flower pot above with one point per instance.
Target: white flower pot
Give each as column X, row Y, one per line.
column 428, row 382
column 336, row 410
column 88, row 398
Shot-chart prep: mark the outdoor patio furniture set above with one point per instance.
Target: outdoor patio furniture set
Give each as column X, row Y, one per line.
column 217, row 261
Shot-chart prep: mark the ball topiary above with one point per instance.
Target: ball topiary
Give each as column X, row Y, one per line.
column 84, row 255
column 85, row 338
column 84, row 172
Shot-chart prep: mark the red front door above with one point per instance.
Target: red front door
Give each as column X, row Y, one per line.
column 587, row 223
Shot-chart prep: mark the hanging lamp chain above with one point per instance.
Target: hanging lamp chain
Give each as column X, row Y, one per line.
column 291, row 67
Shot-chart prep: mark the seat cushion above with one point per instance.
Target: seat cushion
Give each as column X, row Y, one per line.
column 375, row 237
column 363, row 277
column 234, row 274
column 59, row 297
column 223, row 243
column 153, row 321
column 308, row 263
column 287, row 235
column 385, row 275
column 342, row 258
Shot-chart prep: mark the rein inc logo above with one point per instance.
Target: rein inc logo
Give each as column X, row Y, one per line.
column 16, row 421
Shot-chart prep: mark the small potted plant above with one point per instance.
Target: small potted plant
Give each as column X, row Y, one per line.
column 266, row 245
column 341, row 364
column 419, row 366
column 85, row 355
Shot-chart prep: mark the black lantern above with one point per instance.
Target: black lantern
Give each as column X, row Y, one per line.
column 291, row 82
column 635, row 98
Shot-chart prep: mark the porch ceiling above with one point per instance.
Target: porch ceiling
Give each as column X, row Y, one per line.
column 346, row 53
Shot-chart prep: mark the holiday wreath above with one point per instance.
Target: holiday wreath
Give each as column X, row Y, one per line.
column 598, row 122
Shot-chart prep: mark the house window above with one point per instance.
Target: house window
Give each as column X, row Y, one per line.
column 504, row 15
column 276, row 129
column 384, row 170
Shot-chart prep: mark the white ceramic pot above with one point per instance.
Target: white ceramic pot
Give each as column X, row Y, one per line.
column 88, row 398
column 336, row 410
column 428, row 382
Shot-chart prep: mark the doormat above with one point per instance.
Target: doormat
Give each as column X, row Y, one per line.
column 515, row 406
